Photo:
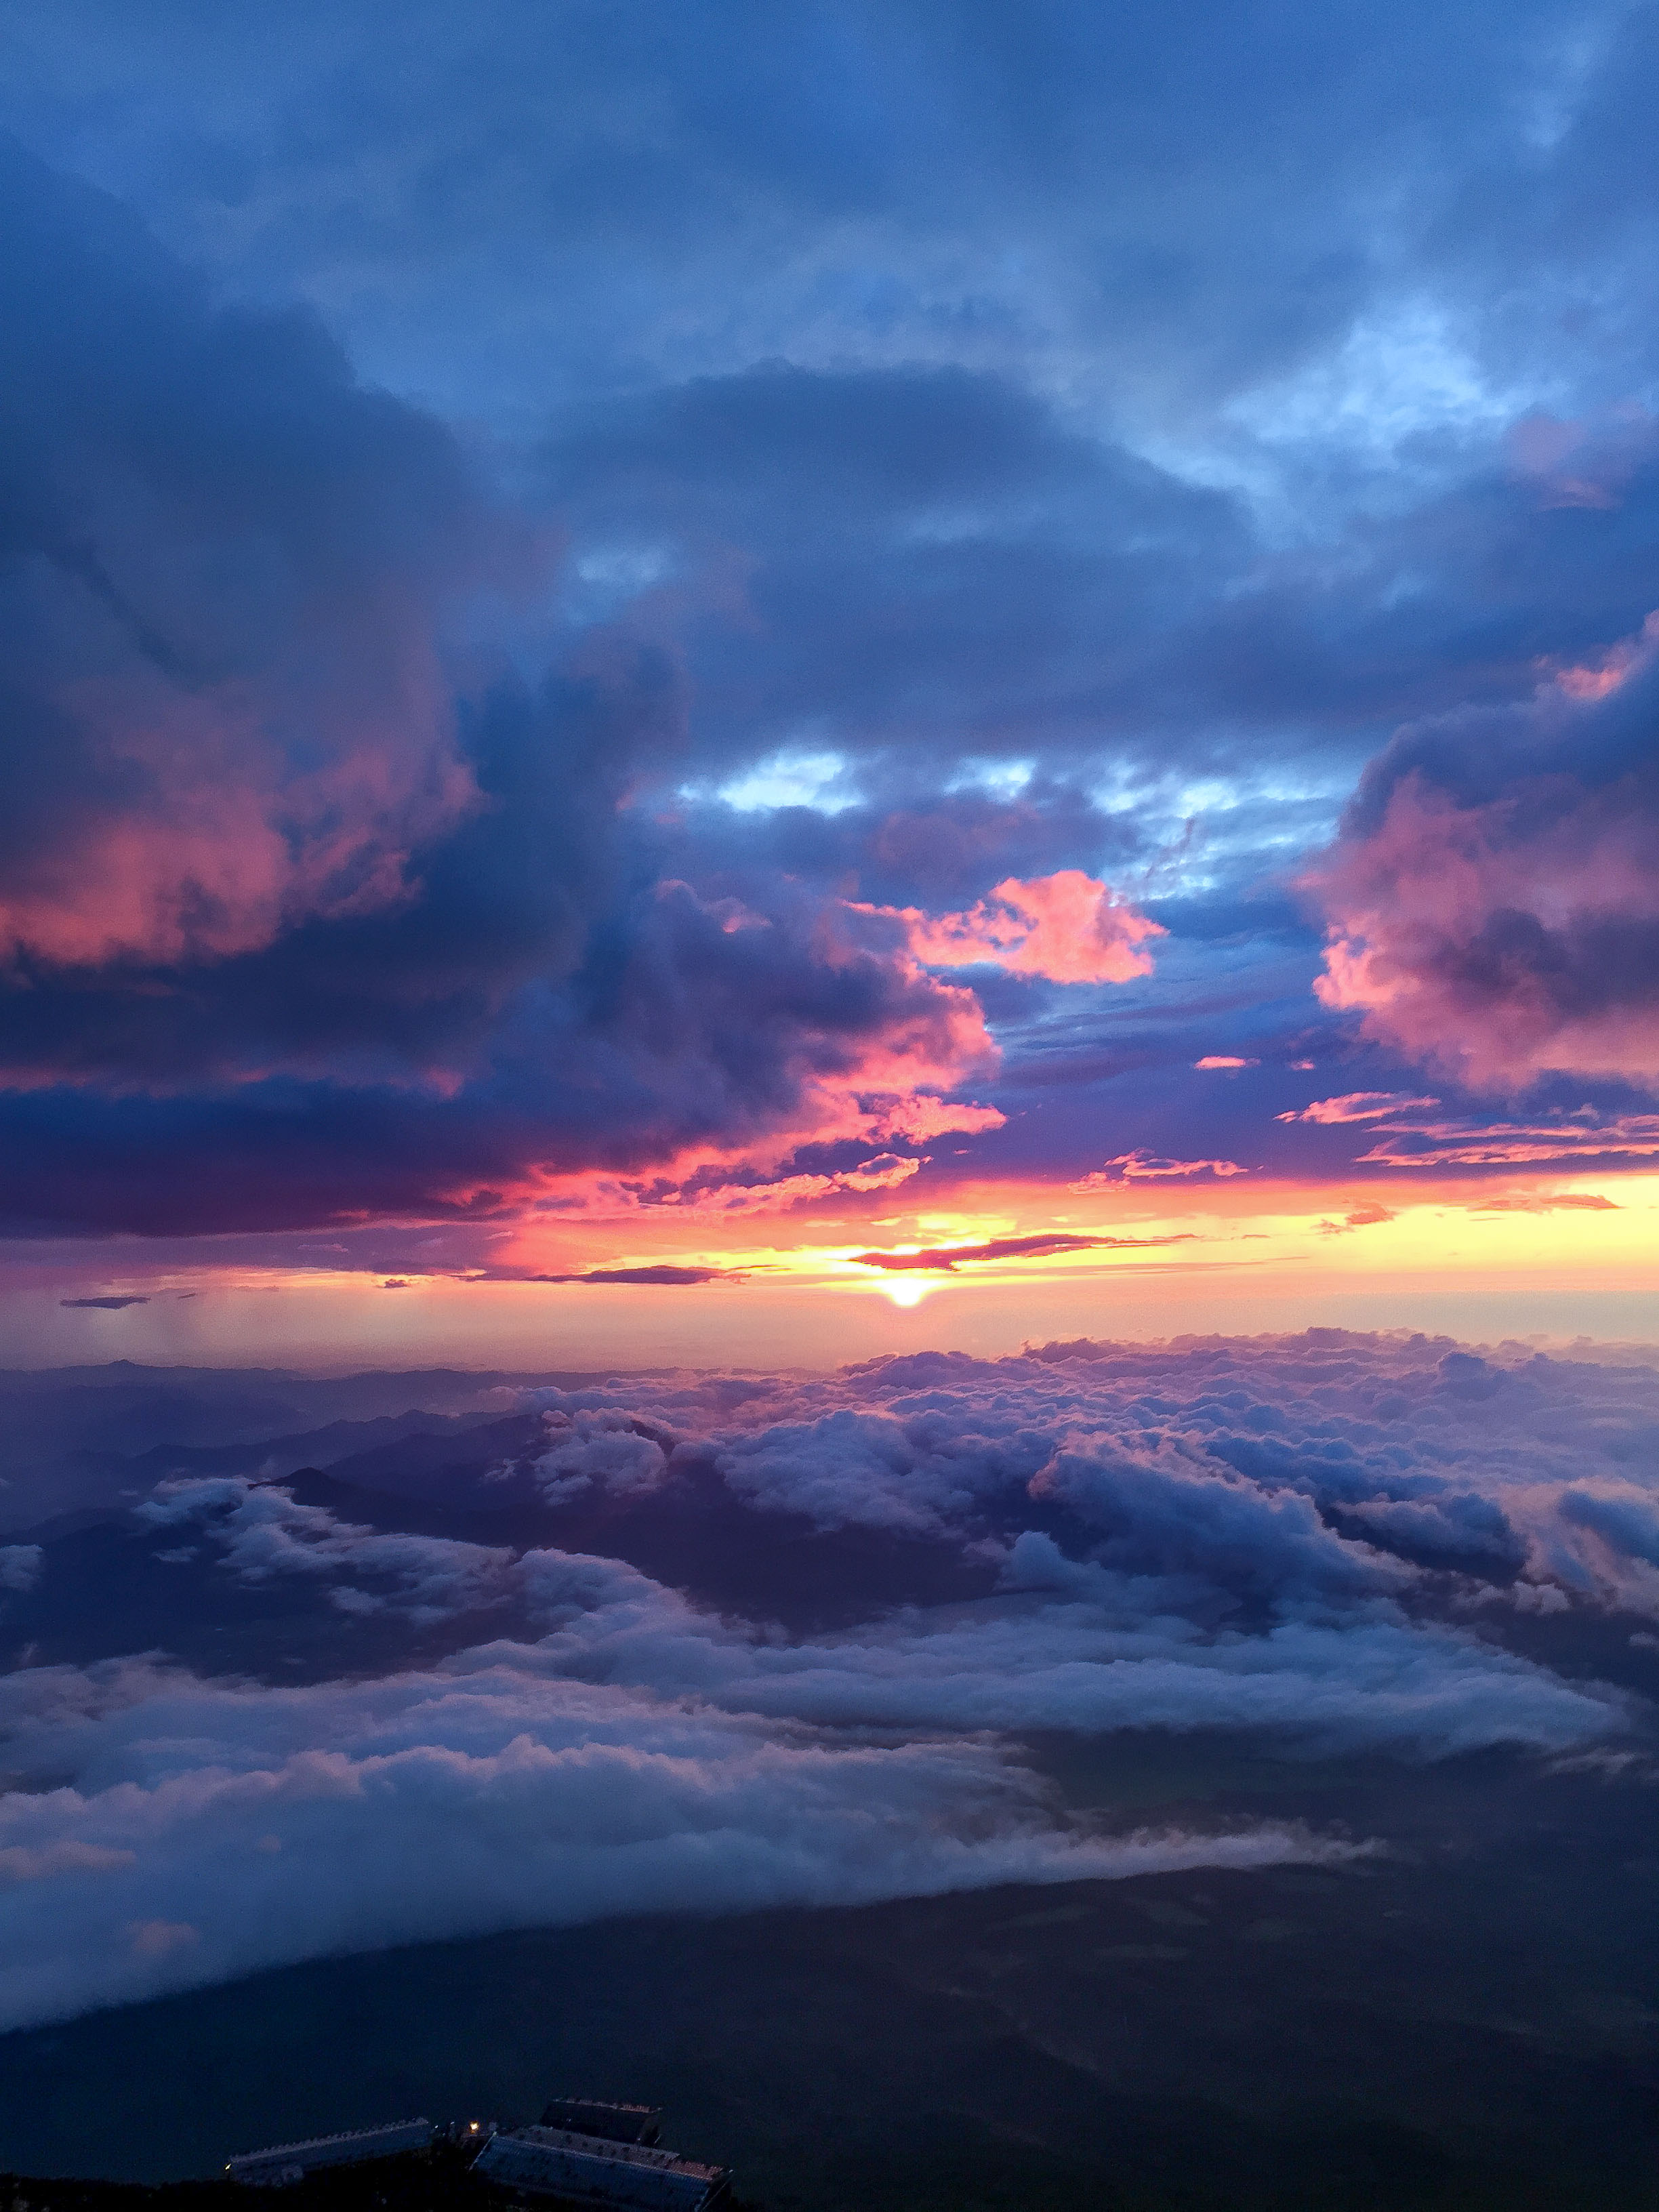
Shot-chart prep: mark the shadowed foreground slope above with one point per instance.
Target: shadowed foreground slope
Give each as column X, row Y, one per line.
column 1465, row 2021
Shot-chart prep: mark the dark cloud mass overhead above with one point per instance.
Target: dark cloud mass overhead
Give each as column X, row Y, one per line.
column 446, row 749
column 306, row 916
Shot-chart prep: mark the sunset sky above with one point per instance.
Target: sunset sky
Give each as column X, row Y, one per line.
column 748, row 684
column 829, row 1093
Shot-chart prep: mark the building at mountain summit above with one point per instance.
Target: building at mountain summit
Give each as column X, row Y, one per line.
column 584, row 2152
column 589, row 2171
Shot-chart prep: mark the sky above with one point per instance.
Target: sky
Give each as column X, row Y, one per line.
column 829, row 954
column 749, row 685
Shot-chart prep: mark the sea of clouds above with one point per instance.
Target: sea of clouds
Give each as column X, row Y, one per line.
column 1328, row 1544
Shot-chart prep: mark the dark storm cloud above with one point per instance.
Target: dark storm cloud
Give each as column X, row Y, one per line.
column 223, row 566
column 675, row 1030
column 926, row 577
column 923, row 216
column 313, row 928
column 1198, row 203
column 994, row 568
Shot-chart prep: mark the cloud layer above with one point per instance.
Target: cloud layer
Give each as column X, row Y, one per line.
column 1324, row 1545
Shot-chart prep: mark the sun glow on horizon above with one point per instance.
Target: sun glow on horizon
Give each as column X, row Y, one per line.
column 1226, row 1257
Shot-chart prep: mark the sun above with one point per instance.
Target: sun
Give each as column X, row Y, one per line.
column 909, row 1293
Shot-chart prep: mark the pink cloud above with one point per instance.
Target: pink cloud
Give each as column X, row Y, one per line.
column 944, row 1259
column 1363, row 1217
column 1550, row 1202
column 884, row 1085
column 1610, row 670
column 1410, row 1144
column 1221, row 1059
column 1498, row 912
column 159, row 1939
column 1359, row 1106
column 718, row 1193
column 215, row 870
column 1586, row 463
column 1142, row 1166
column 225, row 833
column 1067, row 927
column 1404, row 1139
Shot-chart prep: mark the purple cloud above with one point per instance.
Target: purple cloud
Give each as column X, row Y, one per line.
column 943, row 1259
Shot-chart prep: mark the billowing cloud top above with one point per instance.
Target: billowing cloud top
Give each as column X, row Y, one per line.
column 1066, row 927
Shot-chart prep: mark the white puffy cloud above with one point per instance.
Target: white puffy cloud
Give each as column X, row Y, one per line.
column 643, row 1755
column 20, row 1566
column 259, row 1531
column 492, row 1793
column 604, row 1448
column 1272, row 1464
column 852, row 1467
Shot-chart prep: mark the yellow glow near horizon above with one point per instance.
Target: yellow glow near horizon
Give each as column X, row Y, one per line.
column 1335, row 1232
column 1567, row 1256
